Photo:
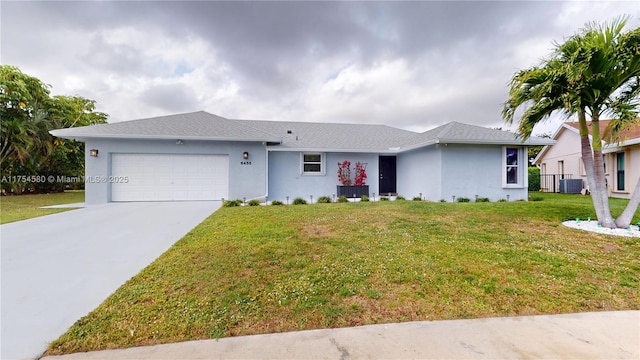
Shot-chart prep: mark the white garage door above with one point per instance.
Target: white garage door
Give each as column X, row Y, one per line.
column 164, row 177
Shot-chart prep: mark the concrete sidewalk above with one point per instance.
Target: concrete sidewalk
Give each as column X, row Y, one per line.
column 599, row 335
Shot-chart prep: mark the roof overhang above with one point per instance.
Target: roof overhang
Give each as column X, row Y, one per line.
column 615, row 147
column 332, row 150
column 536, row 142
column 83, row 137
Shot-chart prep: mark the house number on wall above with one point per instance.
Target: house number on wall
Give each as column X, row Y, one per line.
column 245, row 162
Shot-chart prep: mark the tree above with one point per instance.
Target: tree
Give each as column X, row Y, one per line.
column 21, row 102
column 28, row 113
column 533, row 151
column 593, row 73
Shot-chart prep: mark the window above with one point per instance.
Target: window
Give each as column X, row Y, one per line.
column 561, row 169
column 620, row 171
column 312, row 164
column 511, row 176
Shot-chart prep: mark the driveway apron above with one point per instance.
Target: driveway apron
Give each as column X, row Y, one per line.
column 57, row 268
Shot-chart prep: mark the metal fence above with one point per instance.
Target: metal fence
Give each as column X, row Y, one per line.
column 551, row 182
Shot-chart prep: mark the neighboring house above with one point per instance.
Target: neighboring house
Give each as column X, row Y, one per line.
column 563, row 160
column 200, row 156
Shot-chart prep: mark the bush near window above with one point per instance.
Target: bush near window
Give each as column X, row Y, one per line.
column 343, row 199
column 400, row 197
column 483, row 199
column 254, row 202
column 417, row 198
column 364, row 198
column 534, row 179
column 462, row 199
column 277, row 202
column 384, row 198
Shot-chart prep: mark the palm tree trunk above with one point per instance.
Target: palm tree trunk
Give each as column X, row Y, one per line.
column 587, row 160
column 598, row 171
column 601, row 185
column 624, row 220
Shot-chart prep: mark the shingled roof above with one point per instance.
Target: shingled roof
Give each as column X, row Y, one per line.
column 288, row 135
column 458, row 133
column 199, row 125
column 630, row 133
column 332, row 136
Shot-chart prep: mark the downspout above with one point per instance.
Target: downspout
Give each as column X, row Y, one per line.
column 266, row 173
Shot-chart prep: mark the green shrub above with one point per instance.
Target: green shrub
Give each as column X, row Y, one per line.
column 384, row 198
column 232, row 203
column 534, row 179
column 443, row 200
column 400, row 197
column 324, row 200
column 484, row 199
column 417, row 198
column 537, row 198
column 364, row 198
column 277, row 202
column 462, row 199
column 254, row 202
column 299, row 201
column 502, row 200
column 343, row 199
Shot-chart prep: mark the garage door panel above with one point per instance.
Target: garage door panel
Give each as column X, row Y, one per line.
column 166, row 177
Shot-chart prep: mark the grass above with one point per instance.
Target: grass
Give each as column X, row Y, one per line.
column 22, row 207
column 268, row 269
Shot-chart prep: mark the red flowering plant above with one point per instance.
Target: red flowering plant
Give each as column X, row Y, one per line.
column 344, row 173
column 361, row 174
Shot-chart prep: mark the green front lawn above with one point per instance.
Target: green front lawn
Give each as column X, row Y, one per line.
column 252, row 270
column 21, row 207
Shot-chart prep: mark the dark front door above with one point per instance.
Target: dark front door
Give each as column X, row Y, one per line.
column 387, row 181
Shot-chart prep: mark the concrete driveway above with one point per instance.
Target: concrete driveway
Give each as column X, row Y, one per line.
column 57, row 268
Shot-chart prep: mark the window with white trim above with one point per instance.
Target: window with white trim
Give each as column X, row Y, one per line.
column 312, row 163
column 511, row 165
column 620, row 171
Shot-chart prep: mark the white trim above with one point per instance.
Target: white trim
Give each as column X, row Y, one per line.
column 620, row 146
column 624, row 169
column 522, row 177
column 323, row 168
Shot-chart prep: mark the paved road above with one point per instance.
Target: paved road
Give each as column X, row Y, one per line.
column 599, row 335
column 57, row 268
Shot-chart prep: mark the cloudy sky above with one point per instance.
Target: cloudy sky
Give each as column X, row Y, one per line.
column 412, row 65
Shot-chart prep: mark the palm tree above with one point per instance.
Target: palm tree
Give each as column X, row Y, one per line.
column 595, row 72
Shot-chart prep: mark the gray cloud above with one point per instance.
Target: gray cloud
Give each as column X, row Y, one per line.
column 174, row 98
column 276, row 58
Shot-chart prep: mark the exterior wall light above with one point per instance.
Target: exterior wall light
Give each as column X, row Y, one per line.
column 245, row 155
column 179, row 142
column 93, row 152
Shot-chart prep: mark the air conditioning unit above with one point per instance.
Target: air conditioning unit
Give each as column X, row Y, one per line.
column 570, row 186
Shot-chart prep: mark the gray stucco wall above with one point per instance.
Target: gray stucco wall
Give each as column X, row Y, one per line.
column 286, row 178
column 470, row 170
column 418, row 171
column 244, row 180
